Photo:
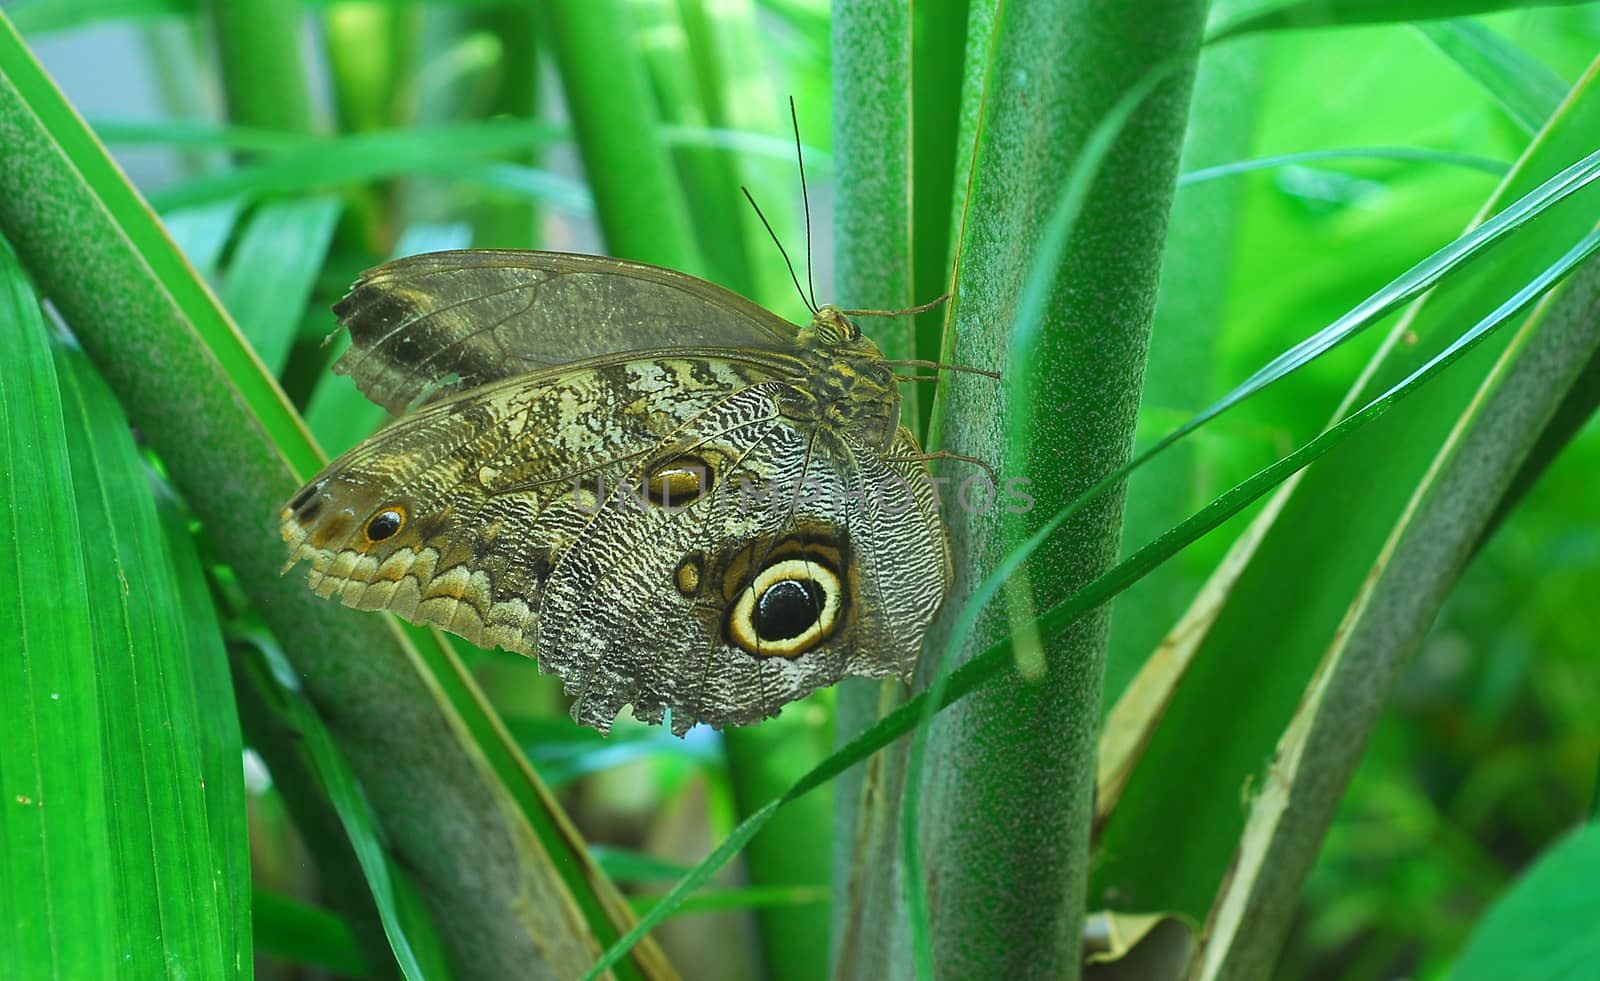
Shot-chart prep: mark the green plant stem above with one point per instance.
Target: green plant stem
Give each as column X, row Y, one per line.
column 637, row 196
column 1005, row 816
column 258, row 53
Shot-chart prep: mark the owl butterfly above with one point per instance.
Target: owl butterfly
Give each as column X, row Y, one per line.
column 670, row 496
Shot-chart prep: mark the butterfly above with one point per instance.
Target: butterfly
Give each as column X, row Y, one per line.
column 670, row 496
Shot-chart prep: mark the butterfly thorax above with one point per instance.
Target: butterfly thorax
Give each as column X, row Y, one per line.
column 848, row 387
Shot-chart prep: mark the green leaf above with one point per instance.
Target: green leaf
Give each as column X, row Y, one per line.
column 42, row 16
column 126, row 803
column 1446, row 461
column 151, row 723
column 783, row 901
column 1198, row 256
column 1215, row 171
column 216, row 719
column 402, row 921
column 564, row 752
column 1527, row 90
column 697, row 64
column 1332, row 536
column 202, row 233
column 1542, row 929
column 1299, row 14
column 59, row 895
column 320, row 164
column 273, row 269
column 305, row 935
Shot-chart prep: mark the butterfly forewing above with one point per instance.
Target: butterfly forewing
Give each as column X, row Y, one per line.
column 432, row 325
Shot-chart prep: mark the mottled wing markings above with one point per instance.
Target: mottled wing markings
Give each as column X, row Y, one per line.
column 493, row 546
column 610, row 604
column 429, row 457
column 486, row 332
column 706, row 546
column 907, row 566
column 673, row 444
column 767, row 705
column 613, row 547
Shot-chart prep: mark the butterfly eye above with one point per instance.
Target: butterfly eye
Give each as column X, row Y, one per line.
column 385, row 524
column 678, row 482
column 833, row 327
column 791, row 607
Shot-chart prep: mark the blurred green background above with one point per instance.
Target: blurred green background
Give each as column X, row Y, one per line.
column 1489, row 751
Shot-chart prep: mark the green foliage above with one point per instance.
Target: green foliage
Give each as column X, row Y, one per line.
column 124, row 827
column 1134, row 216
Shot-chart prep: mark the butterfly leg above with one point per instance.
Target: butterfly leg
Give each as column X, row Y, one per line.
column 994, row 478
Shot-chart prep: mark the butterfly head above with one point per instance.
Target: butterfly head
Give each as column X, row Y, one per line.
column 831, row 327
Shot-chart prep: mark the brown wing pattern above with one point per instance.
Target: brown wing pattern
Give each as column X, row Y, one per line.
column 619, row 627
column 552, row 551
column 428, row 326
column 543, row 498
column 455, row 514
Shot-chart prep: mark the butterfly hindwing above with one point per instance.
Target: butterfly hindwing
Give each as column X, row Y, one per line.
column 455, row 514
column 764, row 588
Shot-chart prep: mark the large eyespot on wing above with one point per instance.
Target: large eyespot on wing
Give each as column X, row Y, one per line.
column 431, row 325
column 634, row 613
column 792, row 602
column 751, row 596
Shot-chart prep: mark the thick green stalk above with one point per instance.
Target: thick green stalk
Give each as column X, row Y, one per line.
column 637, row 196
column 873, row 268
column 258, row 53
column 372, row 58
column 1005, row 812
column 938, row 42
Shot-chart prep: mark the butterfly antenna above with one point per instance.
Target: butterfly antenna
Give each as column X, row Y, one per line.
column 781, row 250
column 805, row 198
